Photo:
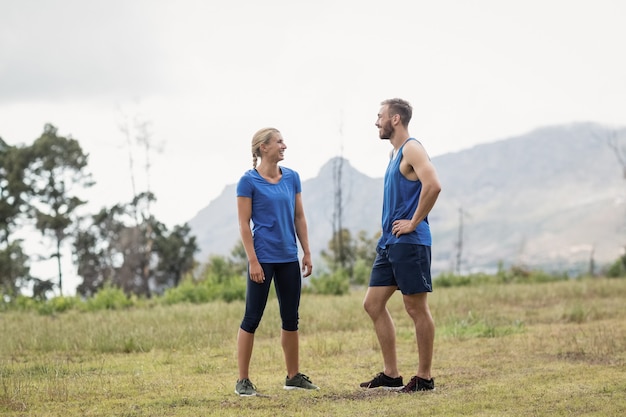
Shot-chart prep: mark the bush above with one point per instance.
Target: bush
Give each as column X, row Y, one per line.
column 618, row 268
column 513, row 275
column 213, row 288
column 57, row 305
column 187, row 292
column 232, row 290
column 361, row 272
column 337, row 283
column 109, row 298
column 451, row 280
column 21, row 302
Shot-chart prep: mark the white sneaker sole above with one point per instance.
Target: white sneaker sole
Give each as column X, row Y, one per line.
column 245, row 395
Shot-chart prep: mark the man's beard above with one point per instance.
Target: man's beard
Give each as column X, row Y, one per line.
column 386, row 131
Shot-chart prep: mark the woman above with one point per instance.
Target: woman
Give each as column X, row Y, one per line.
column 269, row 195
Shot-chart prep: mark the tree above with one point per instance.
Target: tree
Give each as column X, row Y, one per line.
column 176, row 251
column 341, row 253
column 14, row 268
column 137, row 246
column 96, row 251
column 56, row 167
column 366, row 247
column 112, row 249
column 614, row 140
column 460, row 241
column 339, row 245
column 220, row 268
column 239, row 259
column 13, row 190
column 139, row 130
column 357, row 256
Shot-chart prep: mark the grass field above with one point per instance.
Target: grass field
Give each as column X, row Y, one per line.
column 551, row 349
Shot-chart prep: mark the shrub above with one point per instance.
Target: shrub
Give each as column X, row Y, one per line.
column 22, row 302
column 233, row 289
column 336, row 283
column 361, row 272
column 187, row 292
column 109, row 298
column 229, row 289
column 618, row 268
column 57, row 305
column 451, row 280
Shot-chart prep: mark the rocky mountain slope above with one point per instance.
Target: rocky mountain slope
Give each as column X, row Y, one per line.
column 552, row 198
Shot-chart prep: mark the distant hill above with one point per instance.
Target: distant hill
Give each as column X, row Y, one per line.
column 551, row 198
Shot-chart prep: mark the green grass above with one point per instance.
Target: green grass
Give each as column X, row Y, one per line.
column 553, row 349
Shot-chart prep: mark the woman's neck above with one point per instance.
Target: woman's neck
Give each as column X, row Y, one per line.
column 269, row 171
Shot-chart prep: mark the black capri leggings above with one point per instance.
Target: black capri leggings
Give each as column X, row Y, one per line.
column 288, row 284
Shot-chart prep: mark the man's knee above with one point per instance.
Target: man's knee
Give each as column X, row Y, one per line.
column 373, row 307
column 416, row 305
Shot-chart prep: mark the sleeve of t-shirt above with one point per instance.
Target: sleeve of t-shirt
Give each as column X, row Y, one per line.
column 244, row 187
column 297, row 183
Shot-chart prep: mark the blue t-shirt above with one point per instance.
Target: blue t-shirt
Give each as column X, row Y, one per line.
column 273, row 214
column 400, row 199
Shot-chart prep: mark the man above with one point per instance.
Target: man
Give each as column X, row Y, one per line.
column 411, row 187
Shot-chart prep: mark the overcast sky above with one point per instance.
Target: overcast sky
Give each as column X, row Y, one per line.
column 207, row 74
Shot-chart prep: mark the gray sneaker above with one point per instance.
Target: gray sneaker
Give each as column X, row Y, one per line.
column 299, row 381
column 245, row 388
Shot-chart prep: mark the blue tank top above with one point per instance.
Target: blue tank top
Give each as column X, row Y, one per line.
column 400, row 199
column 273, row 214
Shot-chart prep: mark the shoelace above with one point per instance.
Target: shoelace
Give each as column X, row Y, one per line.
column 248, row 384
column 306, row 378
column 412, row 385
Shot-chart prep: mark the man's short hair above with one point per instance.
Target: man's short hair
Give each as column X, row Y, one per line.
column 400, row 107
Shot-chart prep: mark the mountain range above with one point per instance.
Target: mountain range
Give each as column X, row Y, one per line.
column 553, row 198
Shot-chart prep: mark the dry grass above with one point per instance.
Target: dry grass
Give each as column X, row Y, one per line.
column 555, row 349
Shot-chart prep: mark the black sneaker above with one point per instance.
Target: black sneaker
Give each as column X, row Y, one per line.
column 419, row 384
column 382, row 380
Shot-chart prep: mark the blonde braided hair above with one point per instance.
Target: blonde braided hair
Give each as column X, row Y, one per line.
column 260, row 137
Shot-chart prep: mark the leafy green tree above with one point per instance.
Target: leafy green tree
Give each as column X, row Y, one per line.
column 55, row 170
column 111, row 249
column 225, row 277
column 136, row 273
column 13, row 189
column 341, row 253
column 355, row 256
column 239, row 259
column 366, row 247
column 96, row 249
column 223, row 267
column 176, row 251
column 617, row 268
column 14, row 269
